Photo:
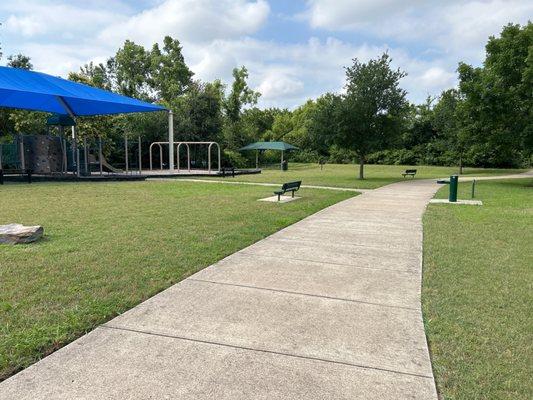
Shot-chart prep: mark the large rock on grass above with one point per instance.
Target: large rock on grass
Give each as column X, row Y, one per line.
column 17, row 233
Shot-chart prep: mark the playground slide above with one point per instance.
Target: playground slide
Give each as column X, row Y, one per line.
column 105, row 165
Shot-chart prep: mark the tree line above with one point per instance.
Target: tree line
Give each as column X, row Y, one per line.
column 485, row 121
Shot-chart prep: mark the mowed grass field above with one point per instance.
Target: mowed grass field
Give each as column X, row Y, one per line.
column 478, row 292
column 109, row 246
column 345, row 175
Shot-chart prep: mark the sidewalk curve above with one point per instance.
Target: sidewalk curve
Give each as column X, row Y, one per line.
column 327, row 308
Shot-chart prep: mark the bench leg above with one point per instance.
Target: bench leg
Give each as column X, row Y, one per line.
column 293, row 193
column 279, row 197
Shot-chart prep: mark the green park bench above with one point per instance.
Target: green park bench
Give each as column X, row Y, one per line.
column 288, row 187
column 409, row 172
column 227, row 171
column 27, row 172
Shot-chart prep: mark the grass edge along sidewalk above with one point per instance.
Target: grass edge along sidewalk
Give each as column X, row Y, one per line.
column 477, row 296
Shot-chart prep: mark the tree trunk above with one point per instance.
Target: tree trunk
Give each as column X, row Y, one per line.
column 361, row 167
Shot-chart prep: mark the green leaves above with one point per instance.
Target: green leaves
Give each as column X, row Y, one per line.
column 498, row 99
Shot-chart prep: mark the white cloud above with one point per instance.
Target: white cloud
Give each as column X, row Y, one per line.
column 353, row 14
column 436, row 77
column 276, row 84
column 34, row 18
column 191, row 21
column 458, row 28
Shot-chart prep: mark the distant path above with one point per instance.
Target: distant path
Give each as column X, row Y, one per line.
column 527, row 174
column 327, row 308
column 344, row 189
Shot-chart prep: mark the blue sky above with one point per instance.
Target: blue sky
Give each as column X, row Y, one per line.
column 294, row 50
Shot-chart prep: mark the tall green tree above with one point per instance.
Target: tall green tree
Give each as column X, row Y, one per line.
column 198, row 112
column 170, row 76
column 19, row 61
column 240, row 96
column 130, row 69
column 371, row 114
column 453, row 138
column 497, row 112
column 92, row 74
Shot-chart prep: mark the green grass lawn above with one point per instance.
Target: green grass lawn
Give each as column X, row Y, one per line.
column 478, row 292
column 345, row 175
column 109, row 246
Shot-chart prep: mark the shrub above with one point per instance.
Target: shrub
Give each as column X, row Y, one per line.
column 235, row 159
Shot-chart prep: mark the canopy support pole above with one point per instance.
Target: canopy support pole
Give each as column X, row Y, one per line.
column 85, row 157
column 64, row 168
column 126, row 153
column 100, row 155
column 170, row 141
column 22, row 158
column 257, row 159
column 75, row 151
column 140, row 157
column 281, row 166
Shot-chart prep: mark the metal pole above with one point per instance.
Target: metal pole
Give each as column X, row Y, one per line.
column 75, row 150
column 22, row 158
column 161, row 157
column 85, row 156
column 0, row 156
column 126, row 152
column 188, row 157
column 170, row 140
column 100, row 155
column 150, row 155
column 178, row 155
column 140, row 158
column 65, row 159
column 281, row 166
column 257, row 159
column 209, row 158
column 473, row 188
column 218, row 147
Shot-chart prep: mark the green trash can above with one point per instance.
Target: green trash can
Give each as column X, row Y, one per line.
column 454, row 181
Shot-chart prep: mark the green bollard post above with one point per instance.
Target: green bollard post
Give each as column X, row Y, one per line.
column 452, row 198
column 473, row 188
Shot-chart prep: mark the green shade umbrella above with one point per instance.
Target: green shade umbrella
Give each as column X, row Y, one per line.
column 280, row 146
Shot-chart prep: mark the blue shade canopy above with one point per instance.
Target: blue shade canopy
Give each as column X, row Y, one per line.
column 36, row 91
column 282, row 146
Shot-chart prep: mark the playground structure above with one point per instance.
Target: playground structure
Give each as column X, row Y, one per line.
column 177, row 152
column 56, row 156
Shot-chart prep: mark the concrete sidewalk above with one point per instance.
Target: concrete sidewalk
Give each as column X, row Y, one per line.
column 328, row 308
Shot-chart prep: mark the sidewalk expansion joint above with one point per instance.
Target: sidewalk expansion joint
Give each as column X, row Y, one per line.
column 303, row 294
column 279, row 353
column 250, row 254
